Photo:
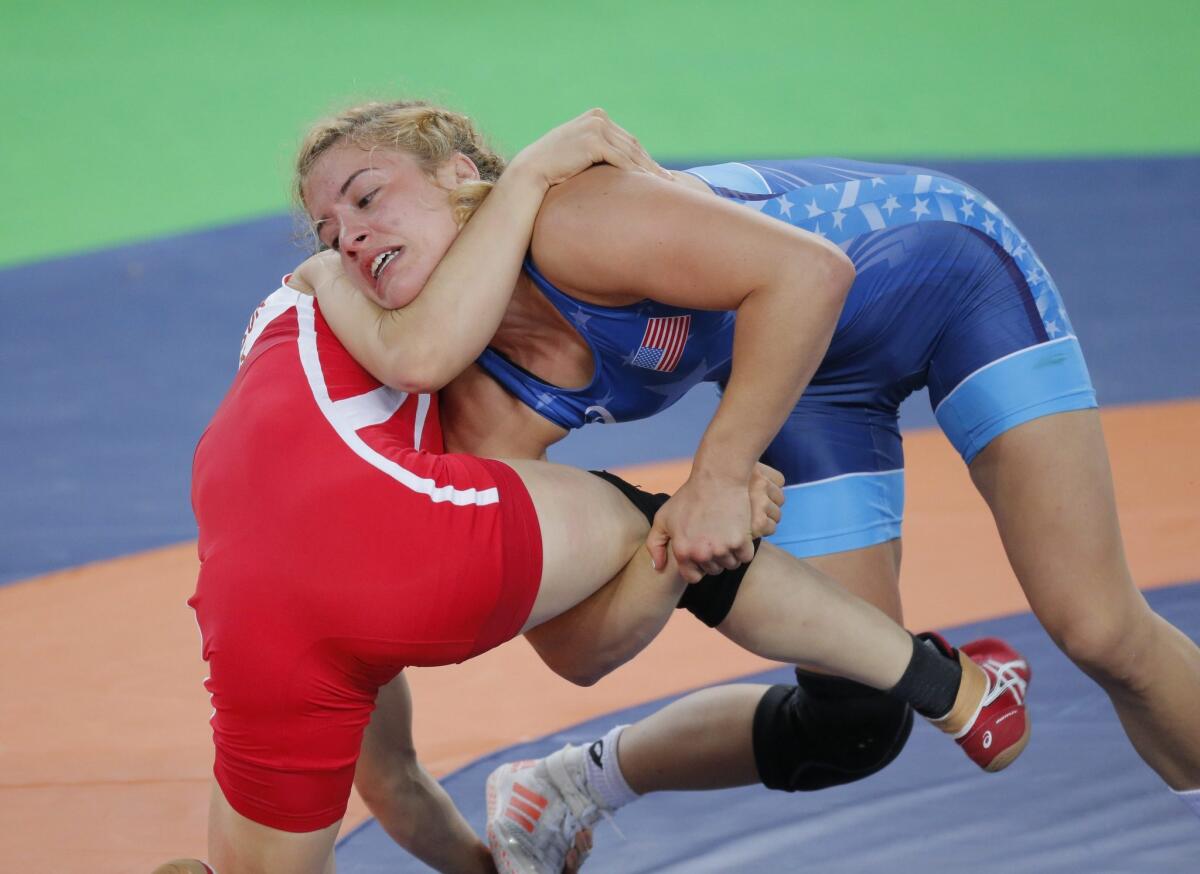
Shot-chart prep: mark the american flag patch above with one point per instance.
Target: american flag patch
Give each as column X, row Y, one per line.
column 662, row 344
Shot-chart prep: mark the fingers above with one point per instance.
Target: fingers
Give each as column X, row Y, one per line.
column 744, row 553
column 578, row 853
column 763, row 525
column 774, row 494
column 637, row 155
column 695, row 565
column 656, row 544
column 766, row 509
column 625, row 151
column 770, row 474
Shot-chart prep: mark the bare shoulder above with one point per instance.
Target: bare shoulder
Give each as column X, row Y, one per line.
column 615, row 237
column 591, row 227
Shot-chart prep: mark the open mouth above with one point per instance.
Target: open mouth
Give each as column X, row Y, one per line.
column 382, row 261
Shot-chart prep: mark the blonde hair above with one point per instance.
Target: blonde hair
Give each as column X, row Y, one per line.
column 430, row 134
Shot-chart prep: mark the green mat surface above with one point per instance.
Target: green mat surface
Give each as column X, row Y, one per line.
column 131, row 120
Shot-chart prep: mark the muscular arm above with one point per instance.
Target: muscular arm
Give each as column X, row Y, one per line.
column 411, row 806
column 614, row 238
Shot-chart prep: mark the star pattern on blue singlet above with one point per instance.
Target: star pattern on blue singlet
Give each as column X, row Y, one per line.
column 841, row 211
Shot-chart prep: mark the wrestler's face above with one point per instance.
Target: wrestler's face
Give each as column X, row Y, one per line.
column 389, row 220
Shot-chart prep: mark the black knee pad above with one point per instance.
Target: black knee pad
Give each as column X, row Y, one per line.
column 826, row 731
column 711, row 599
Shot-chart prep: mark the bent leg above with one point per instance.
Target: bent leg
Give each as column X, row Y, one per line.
column 1049, row 486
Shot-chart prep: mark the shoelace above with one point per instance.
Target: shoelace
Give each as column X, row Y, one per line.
column 1007, row 679
column 581, row 805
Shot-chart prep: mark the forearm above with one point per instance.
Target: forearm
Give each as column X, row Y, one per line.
column 425, row 344
column 423, row 820
column 409, row 804
column 783, row 331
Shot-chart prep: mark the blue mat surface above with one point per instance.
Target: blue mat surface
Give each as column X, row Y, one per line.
column 112, row 362
column 1079, row 801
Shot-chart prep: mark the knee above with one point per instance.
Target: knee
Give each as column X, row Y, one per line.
column 584, row 673
column 826, row 731
column 1108, row 644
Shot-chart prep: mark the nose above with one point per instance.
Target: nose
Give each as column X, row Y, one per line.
column 352, row 240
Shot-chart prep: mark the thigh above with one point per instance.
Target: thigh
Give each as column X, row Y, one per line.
column 1049, row 486
column 589, row 531
column 872, row 573
column 238, row 845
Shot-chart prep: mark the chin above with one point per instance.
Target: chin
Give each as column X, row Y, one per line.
column 394, row 298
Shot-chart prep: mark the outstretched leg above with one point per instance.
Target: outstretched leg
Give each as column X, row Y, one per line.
column 784, row 610
column 1049, row 486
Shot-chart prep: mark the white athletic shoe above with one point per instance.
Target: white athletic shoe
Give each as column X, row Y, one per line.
column 536, row 811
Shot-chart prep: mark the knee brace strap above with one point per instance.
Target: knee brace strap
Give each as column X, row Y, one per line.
column 647, row 503
column 826, row 731
column 711, row 599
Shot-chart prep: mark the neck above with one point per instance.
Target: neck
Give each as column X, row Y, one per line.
column 535, row 336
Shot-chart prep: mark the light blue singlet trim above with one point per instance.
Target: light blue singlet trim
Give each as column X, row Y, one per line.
column 736, row 177
column 840, row 513
column 1024, row 385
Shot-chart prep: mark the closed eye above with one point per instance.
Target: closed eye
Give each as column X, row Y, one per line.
column 317, row 230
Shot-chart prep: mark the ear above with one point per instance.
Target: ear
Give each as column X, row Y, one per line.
column 456, row 170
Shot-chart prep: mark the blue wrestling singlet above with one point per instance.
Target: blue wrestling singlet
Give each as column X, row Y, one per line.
column 948, row 295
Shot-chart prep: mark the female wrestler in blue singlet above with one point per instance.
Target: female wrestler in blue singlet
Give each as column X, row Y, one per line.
column 621, row 309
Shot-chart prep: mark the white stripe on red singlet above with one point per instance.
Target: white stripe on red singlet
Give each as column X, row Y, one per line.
column 419, row 424
column 280, row 301
column 345, row 427
column 372, row 408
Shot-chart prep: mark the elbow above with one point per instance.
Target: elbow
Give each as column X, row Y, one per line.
column 415, row 372
column 837, row 273
column 395, row 785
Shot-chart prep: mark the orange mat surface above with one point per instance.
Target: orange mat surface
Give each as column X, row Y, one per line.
column 105, row 750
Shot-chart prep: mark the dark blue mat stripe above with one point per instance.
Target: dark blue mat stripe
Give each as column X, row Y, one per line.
column 1079, row 800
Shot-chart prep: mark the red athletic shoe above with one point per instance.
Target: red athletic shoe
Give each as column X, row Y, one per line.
column 996, row 725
